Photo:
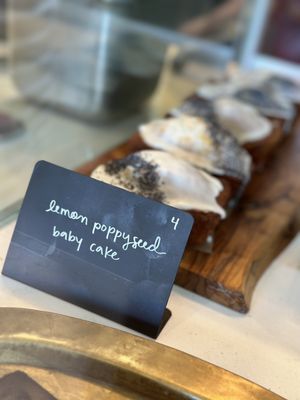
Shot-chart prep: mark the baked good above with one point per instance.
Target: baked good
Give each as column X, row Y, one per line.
column 276, row 108
column 270, row 104
column 162, row 177
column 242, row 120
column 251, row 89
column 253, row 131
column 257, row 134
column 281, row 95
column 204, row 144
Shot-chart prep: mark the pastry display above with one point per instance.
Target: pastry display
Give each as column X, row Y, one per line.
column 199, row 156
column 163, row 177
column 214, row 135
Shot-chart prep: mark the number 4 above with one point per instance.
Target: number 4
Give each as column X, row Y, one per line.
column 175, row 222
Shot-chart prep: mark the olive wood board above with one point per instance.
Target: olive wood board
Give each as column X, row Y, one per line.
column 73, row 360
column 256, row 231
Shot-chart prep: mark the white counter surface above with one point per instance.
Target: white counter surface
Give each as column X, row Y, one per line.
column 263, row 346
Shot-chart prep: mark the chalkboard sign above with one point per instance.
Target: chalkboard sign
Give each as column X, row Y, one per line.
column 100, row 247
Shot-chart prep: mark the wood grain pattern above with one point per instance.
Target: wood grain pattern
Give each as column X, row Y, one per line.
column 250, row 238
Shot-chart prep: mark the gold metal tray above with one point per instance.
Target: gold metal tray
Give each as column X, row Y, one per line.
column 74, row 359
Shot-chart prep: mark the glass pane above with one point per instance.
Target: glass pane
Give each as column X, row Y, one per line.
column 214, row 19
column 77, row 76
column 63, row 73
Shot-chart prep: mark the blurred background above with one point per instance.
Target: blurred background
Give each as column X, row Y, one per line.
column 78, row 76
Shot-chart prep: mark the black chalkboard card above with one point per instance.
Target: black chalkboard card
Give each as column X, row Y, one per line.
column 100, row 247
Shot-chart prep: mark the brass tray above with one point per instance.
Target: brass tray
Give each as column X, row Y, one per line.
column 74, row 359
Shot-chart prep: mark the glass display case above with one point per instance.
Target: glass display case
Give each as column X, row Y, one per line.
column 77, row 77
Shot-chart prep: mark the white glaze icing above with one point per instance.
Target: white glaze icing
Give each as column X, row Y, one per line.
column 186, row 137
column 242, row 120
column 182, row 185
column 195, row 140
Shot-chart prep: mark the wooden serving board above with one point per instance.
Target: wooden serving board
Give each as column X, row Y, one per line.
column 264, row 222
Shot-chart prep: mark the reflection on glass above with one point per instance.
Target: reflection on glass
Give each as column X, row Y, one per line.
column 220, row 23
column 215, row 19
column 87, row 59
